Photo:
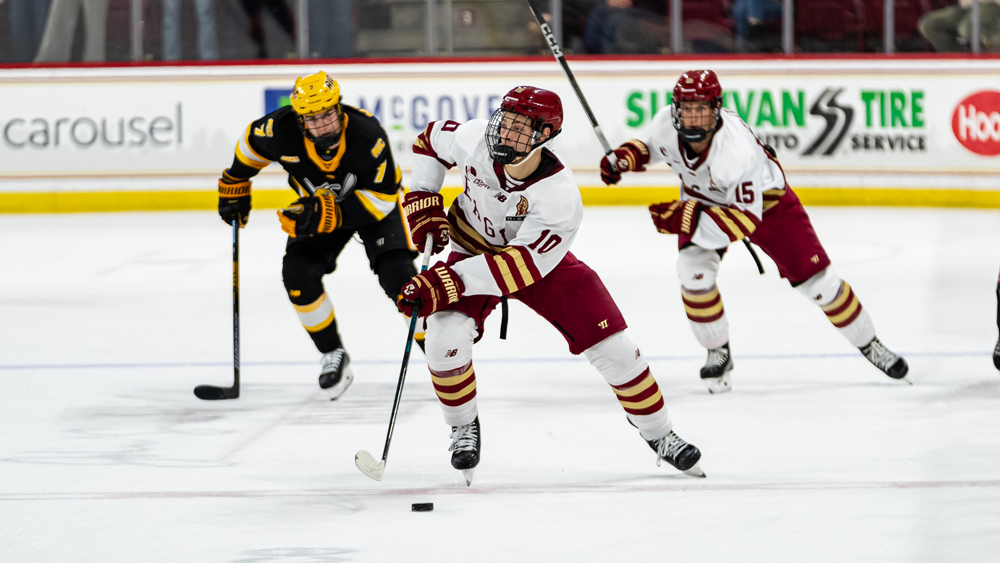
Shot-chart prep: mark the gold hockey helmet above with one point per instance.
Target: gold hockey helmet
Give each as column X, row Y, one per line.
column 315, row 93
column 316, row 98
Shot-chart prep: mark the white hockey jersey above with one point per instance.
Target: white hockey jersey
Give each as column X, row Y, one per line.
column 518, row 231
column 730, row 177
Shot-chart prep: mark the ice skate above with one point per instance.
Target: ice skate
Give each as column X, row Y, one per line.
column 465, row 444
column 717, row 368
column 335, row 374
column 996, row 355
column 675, row 451
column 883, row 358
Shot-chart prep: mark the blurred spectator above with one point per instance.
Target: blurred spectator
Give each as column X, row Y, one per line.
column 332, row 35
column 207, row 48
column 950, row 29
column 279, row 9
column 27, row 23
column 749, row 17
column 57, row 42
column 615, row 26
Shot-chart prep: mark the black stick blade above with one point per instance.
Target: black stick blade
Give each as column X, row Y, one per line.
column 213, row 393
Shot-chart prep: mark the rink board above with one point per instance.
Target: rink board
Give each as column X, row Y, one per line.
column 913, row 132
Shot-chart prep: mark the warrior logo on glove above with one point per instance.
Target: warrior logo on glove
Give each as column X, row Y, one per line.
column 310, row 216
column 675, row 217
column 425, row 215
column 433, row 289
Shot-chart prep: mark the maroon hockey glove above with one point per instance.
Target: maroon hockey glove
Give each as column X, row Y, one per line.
column 234, row 201
column 435, row 288
column 631, row 156
column 313, row 215
column 425, row 214
column 676, row 217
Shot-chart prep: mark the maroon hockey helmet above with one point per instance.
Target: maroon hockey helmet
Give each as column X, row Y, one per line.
column 697, row 85
column 542, row 107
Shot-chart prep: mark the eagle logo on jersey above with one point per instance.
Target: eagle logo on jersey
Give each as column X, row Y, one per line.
column 521, row 210
column 712, row 187
column 522, row 206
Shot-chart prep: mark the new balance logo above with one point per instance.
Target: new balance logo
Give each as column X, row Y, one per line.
column 451, row 353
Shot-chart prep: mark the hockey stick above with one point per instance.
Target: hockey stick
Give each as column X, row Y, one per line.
column 557, row 52
column 756, row 259
column 550, row 38
column 211, row 392
column 364, row 460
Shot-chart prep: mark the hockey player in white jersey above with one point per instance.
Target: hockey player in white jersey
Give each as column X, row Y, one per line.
column 510, row 232
column 732, row 187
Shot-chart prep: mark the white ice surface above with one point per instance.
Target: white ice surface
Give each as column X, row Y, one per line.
column 107, row 322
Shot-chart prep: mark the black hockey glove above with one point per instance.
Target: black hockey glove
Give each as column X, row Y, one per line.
column 234, row 202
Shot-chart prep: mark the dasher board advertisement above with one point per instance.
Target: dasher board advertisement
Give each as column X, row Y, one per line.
column 857, row 117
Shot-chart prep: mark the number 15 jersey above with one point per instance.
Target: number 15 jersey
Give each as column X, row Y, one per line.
column 517, row 230
column 729, row 177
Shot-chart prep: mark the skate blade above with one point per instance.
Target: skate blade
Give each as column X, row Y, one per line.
column 695, row 471
column 367, row 464
column 337, row 390
column 719, row 385
column 468, row 474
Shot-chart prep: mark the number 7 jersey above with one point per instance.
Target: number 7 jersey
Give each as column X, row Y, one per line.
column 517, row 230
column 730, row 177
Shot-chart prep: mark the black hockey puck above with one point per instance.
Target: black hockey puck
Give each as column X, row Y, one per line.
column 422, row 506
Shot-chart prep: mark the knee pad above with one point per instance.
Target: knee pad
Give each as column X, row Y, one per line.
column 822, row 288
column 303, row 278
column 697, row 268
column 394, row 269
column 617, row 358
column 448, row 340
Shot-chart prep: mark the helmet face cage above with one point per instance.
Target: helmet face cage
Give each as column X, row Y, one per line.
column 695, row 135
column 697, row 85
column 511, row 135
column 322, row 121
column 316, row 100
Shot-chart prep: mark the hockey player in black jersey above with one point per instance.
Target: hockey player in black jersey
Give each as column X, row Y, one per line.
column 339, row 162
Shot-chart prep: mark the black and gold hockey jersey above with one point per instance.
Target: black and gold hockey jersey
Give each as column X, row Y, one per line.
column 360, row 170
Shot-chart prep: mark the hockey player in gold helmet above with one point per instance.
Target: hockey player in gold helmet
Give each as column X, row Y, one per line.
column 341, row 167
column 316, row 101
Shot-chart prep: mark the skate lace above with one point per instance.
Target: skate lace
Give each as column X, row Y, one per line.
column 717, row 357
column 881, row 356
column 463, row 438
column 331, row 360
column 669, row 446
